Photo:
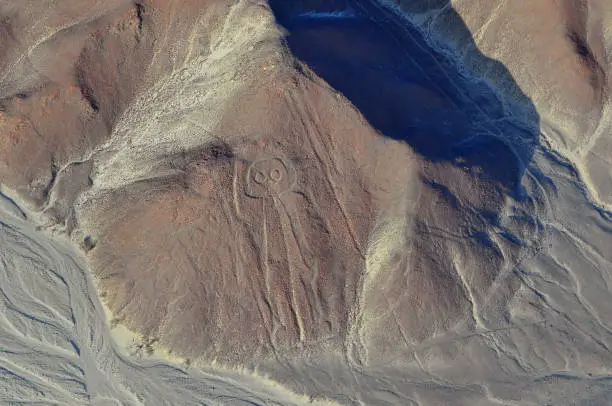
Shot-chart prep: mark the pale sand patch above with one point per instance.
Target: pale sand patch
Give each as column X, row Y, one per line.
column 128, row 342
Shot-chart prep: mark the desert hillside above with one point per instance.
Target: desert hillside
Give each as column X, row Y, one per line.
column 305, row 202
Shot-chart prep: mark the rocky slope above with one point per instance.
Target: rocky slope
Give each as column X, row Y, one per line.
column 558, row 53
column 368, row 201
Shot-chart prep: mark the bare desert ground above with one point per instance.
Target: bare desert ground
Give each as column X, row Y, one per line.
column 558, row 53
column 305, row 202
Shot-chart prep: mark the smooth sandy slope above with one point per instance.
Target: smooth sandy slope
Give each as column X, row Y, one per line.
column 326, row 194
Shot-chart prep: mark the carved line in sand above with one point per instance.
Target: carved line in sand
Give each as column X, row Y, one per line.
column 271, row 179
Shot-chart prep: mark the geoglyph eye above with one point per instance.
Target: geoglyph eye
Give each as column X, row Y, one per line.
column 259, row 177
column 275, row 175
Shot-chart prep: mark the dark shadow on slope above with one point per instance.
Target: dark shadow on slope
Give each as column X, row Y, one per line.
column 410, row 91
